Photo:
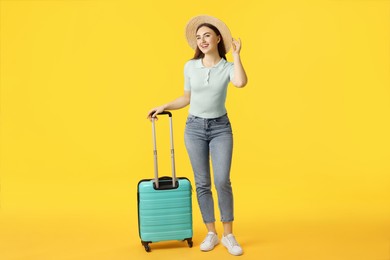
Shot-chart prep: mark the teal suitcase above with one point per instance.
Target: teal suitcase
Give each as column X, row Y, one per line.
column 164, row 204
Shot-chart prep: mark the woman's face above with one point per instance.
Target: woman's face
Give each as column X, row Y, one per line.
column 207, row 40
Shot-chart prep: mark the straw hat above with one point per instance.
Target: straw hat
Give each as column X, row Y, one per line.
column 193, row 24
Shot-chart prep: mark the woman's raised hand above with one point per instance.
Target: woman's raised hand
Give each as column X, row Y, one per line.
column 236, row 46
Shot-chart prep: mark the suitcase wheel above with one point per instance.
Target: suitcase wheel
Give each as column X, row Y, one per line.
column 146, row 246
column 189, row 242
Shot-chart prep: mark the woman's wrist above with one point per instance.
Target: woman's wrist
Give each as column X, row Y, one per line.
column 236, row 55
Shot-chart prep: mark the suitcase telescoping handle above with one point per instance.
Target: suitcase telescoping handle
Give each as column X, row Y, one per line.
column 155, row 150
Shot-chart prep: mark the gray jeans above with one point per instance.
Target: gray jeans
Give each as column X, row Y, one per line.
column 204, row 138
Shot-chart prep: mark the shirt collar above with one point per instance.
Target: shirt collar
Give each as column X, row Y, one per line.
column 200, row 65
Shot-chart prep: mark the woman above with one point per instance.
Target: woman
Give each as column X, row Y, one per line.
column 208, row 131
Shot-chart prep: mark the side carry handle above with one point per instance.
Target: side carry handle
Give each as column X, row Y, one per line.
column 155, row 150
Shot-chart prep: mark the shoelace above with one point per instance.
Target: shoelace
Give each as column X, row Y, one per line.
column 232, row 241
column 208, row 238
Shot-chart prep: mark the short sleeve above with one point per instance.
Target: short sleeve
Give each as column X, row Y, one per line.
column 231, row 71
column 187, row 83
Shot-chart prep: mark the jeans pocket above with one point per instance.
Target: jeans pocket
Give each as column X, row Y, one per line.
column 222, row 121
column 190, row 119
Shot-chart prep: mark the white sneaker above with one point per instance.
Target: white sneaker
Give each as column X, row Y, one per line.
column 209, row 242
column 231, row 244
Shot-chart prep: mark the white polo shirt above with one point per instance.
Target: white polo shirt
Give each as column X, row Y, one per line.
column 208, row 87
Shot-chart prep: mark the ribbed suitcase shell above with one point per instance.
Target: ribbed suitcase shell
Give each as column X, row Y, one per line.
column 165, row 214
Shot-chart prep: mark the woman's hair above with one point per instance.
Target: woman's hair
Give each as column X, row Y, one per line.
column 221, row 46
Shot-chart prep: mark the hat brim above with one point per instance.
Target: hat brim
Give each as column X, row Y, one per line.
column 194, row 23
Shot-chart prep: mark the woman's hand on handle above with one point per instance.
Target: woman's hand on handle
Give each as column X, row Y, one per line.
column 155, row 111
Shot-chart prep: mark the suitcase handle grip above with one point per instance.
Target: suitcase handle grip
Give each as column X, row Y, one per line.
column 161, row 113
column 165, row 113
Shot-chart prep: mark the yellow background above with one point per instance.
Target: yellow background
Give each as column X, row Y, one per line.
column 312, row 148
